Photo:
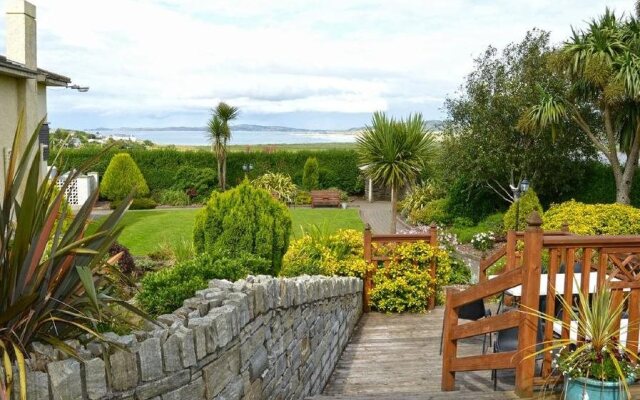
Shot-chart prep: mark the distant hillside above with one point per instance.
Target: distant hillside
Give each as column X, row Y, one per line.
column 431, row 124
column 240, row 127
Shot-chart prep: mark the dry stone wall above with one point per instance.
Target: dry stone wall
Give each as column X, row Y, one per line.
column 259, row 338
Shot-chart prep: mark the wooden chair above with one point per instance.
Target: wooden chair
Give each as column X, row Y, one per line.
column 472, row 312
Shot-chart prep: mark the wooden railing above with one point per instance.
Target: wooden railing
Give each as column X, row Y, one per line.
column 611, row 259
column 510, row 252
column 376, row 251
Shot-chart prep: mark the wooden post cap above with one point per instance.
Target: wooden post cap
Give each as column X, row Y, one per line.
column 367, row 227
column 534, row 219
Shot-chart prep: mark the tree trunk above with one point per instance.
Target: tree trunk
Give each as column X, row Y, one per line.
column 624, row 178
column 219, row 162
column 394, row 206
column 224, row 173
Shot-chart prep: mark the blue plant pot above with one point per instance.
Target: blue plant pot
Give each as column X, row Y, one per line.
column 593, row 389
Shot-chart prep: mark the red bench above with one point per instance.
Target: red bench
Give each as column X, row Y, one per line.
column 325, row 198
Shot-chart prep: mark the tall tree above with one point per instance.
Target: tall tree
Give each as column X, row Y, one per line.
column 602, row 67
column 219, row 134
column 394, row 153
column 483, row 149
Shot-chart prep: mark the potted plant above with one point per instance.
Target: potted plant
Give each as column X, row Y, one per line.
column 595, row 364
column 344, row 198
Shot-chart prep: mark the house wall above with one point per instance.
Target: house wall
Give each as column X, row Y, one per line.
column 8, row 110
column 259, row 338
column 42, row 102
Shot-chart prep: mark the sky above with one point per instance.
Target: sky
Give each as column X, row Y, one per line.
column 301, row 63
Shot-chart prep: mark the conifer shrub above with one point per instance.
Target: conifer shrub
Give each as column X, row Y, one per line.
column 244, row 219
column 121, row 177
column 528, row 203
column 311, row 174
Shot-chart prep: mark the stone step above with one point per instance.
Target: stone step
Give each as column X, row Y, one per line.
column 462, row 395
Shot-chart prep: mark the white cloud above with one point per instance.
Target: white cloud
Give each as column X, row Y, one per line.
column 178, row 57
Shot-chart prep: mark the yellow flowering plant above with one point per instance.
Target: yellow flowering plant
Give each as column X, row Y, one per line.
column 405, row 284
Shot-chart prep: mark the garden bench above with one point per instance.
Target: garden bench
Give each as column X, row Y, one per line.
column 325, row 198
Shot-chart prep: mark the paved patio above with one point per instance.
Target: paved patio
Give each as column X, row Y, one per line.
column 377, row 214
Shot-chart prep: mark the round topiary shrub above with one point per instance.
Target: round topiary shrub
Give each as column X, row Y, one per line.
column 244, row 219
column 121, row 177
column 593, row 219
column 528, row 203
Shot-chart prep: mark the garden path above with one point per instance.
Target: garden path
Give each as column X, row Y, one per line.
column 396, row 356
column 377, row 215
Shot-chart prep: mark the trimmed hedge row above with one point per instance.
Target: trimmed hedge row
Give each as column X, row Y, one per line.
column 338, row 168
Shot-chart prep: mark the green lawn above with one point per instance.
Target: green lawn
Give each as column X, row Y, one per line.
column 147, row 230
column 328, row 219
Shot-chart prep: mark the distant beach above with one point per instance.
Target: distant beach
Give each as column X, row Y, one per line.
column 199, row 138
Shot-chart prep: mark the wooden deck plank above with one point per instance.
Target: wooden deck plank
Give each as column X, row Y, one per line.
column 398, row 355
column 393, row 356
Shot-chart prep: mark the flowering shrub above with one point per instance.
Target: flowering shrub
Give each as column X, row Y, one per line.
column 447, row 241
column 593, row 219
column 318, row 253
column 483, row 241
column 405, row 284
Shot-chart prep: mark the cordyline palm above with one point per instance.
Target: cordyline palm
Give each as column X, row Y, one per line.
column 596, row 322
column 394, row 152
column 602, row 69
column 51, row 277
column 219, row 135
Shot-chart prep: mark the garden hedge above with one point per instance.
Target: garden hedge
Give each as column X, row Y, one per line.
column 338, row 167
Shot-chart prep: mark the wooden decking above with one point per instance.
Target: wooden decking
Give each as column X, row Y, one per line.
column 397, row 357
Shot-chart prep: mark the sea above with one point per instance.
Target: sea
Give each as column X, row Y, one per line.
column 196, row 138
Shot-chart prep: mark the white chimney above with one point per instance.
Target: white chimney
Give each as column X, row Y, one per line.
column 21, row 33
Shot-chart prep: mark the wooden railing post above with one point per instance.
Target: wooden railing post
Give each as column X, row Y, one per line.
column 511, row 250
column 528, row 327
column 368, row 278
column 433, row 241
column 450, row 346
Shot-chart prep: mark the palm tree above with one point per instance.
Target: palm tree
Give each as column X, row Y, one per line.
column 394, row 152
column 602, row 71
column 219, row 135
